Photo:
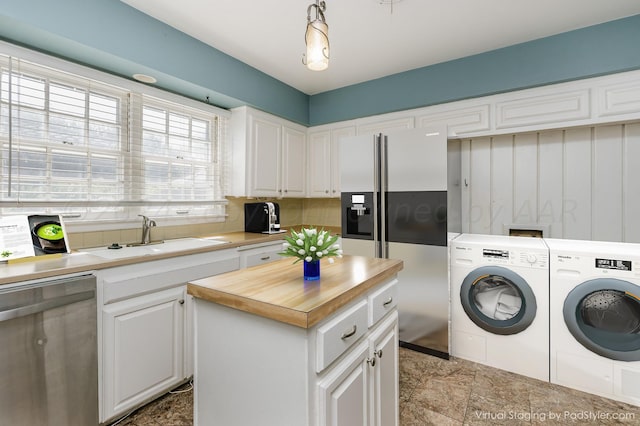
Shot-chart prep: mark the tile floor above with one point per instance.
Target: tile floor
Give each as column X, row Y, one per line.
column 455, row 392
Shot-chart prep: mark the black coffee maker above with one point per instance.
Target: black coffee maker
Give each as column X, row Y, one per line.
column 262, row 218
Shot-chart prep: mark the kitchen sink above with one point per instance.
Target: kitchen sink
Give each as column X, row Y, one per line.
column 167, row 246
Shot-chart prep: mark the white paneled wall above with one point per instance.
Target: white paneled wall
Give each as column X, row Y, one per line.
column 578, row 183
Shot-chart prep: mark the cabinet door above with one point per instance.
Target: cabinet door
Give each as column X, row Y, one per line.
column 143, row 344
column 320, row 165
column 336, row 136
column 294, row 163
column 344, row 392
column 265, row 157
column 385, row 373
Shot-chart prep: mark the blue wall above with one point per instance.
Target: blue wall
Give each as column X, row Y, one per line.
column 110, row 35
column 115, row 37
column 601, row 49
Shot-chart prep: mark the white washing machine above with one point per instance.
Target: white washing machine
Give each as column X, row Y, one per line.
column 500, row 302
column 595, row 317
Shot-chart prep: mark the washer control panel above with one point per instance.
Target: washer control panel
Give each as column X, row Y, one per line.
column 516, row 257
column 498, row 256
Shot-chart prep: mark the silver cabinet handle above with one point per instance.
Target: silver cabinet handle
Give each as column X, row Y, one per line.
column 265, row 258
column 385, row 304
column 181, row 301
column 378, row 353
column 348, row 334
column 372, row 361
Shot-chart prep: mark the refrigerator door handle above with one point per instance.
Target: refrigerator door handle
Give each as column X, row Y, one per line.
column 384, row 187
column 376, row 193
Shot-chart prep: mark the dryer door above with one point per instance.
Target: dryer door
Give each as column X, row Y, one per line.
column 604, row 316
column 498, row 300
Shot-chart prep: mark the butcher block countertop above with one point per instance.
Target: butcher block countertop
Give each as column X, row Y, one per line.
column 278, row 291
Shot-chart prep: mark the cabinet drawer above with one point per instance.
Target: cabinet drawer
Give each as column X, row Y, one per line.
column 340, row 333
column 134, row 280
column 382, row 301
column 261, row 255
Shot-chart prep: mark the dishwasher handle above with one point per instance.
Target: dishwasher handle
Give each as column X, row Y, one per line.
column 46, row 305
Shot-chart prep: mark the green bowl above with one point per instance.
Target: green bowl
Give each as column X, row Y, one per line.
column 50, row 232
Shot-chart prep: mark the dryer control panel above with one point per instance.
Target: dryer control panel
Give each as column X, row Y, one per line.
column 618, row 265
column 608, row 264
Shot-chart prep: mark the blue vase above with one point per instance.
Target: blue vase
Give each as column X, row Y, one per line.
column 311, row 270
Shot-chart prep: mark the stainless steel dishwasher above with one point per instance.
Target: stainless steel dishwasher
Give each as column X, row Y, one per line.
column 48, row 353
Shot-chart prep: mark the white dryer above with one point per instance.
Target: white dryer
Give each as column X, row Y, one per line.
column 500, row 302
column 595, row 317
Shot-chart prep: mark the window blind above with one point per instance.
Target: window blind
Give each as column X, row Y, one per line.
column 93, row 151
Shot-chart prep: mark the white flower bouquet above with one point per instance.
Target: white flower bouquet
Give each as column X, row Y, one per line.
column 310, row 244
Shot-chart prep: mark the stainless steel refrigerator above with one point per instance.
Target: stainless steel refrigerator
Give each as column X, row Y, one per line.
column 394, row 205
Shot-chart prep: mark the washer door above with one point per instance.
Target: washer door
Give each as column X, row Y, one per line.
column 604, row 316
column 498, row 300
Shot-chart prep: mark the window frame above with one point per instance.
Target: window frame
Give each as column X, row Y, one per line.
column 89, row 214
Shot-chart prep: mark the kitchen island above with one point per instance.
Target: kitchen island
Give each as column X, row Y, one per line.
column 273, row 349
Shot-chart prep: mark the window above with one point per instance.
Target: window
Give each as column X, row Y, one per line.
column 91, row 150
column 177, row 149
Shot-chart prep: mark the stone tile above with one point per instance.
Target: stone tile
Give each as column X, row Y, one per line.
column 502, row 385
column 172, row 409
column 489, row 410
column 499, row 397
column 615, row 412
column 417, row 415
column 563, row 405
column 446, row 397
column 410, row 370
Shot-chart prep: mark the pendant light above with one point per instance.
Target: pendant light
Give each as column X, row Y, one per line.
column 317, row 39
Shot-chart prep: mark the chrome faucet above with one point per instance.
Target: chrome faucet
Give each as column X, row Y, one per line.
column 147, row 224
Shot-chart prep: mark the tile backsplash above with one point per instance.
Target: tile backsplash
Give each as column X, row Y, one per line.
column 319, row 212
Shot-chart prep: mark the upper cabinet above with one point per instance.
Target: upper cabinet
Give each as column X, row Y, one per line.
column 268, row 155
column 324, row 162
column 592, row 101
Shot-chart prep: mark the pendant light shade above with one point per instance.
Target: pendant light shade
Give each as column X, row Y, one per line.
column 317, row 39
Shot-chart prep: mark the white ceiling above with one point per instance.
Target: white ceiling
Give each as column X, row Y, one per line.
column 370, row 39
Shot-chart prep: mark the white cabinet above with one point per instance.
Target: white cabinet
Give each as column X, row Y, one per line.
column 385, row 384
column 259, row 254
column 268, row 155
column 145, row 354
column 146, row 332
column 294, row 151
column 344, row 394
column 324, row 162
column 363, row 388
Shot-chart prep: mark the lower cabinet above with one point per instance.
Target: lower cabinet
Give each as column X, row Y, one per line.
column 145, row 351
column 385, row 386
column 363, row 388
column 146, row 327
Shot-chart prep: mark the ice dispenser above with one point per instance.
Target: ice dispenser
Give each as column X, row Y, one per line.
column 357, row 215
